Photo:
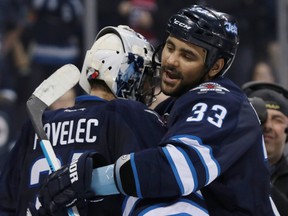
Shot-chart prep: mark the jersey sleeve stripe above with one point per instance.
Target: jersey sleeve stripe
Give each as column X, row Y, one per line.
column 172, row 165
column 129, row 205
column 135, row 173
column 204, row 152
column 274, row 208
column 192, row 168
column 180, row 207
column 199, row 194
column 181, row 169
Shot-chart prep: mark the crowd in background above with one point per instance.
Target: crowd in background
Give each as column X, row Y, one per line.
column 37, row 37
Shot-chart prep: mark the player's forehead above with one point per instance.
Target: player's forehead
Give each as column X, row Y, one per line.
column 185, row 46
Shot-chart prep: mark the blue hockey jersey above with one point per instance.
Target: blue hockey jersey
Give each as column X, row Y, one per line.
column 193, row 204
column 214, row 144
column 111, row 128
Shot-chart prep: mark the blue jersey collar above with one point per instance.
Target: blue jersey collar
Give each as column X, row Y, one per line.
column 88, row 98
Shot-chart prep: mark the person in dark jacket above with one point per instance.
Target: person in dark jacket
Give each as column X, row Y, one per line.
column 275, row 129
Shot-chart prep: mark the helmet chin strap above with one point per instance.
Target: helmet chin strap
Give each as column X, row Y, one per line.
column 207, row 69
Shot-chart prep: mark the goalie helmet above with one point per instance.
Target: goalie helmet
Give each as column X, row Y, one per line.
column 123, row 59
column 214, row 31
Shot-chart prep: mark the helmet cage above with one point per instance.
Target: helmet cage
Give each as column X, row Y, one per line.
column 137, row 82
column 145, row 92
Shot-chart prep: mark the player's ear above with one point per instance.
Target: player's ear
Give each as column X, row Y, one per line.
column 217, row 67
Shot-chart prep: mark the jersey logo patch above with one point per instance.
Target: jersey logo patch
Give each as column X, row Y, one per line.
column 74, row 110
column 210, row 86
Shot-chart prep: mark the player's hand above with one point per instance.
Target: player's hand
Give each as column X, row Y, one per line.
column 63, row 188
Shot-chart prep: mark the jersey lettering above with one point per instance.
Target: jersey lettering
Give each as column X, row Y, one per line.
column 216, row 116
column 39, row 167
column 220, row 113
column 69, row 132
column 73, row 172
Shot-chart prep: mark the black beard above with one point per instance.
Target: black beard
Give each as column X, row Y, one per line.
column 172, row 73
column 184, row 87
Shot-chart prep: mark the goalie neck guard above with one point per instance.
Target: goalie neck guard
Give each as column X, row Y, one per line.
column 123, row 59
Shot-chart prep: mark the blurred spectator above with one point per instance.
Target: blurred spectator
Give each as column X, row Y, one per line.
column 50, row 36
column 10, row 31
column 273, row 58
column 139, row 14
column 263, row 72
column 165, row 9
column 108, row 14
column 275, row 130
column 54, row 37
column 11, row 23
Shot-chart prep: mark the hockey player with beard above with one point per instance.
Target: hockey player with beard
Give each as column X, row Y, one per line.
column 214, row 143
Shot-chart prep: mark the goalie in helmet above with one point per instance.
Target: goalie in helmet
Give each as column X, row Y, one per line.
column 117, row 67
column 214, row 143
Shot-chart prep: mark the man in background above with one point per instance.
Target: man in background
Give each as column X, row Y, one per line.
column 275, row 129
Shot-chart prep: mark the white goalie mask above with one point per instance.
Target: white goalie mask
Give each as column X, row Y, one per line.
column 123, row 59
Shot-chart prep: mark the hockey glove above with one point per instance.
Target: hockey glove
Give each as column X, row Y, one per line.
column 66, row 186
column 32, row 211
